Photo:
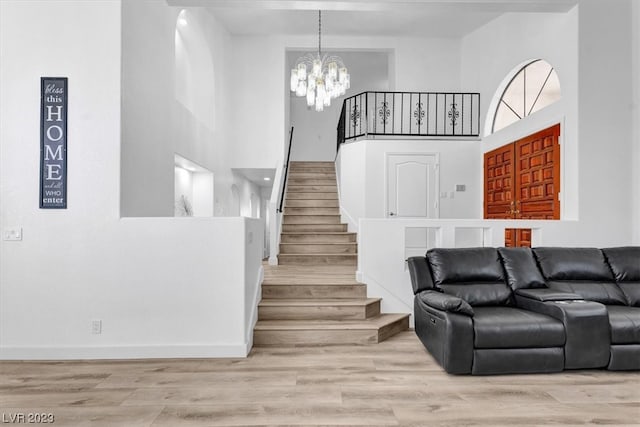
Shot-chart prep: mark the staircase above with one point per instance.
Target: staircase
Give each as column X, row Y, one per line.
column 311, row 297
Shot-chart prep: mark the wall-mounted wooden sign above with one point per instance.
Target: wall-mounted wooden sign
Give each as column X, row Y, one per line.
column 53, row 143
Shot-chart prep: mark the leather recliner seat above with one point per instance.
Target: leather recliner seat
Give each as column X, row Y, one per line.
column 467, row 318
column 514, row 310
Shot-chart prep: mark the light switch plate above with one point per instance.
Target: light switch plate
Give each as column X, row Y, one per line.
column 12, row 234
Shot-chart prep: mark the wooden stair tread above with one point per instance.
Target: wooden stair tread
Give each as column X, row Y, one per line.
column 311, row 213
column 366, row 324
column 320, row 254
column 358, row 302
column 312, row 283
column 314, row 233
column 319, row 243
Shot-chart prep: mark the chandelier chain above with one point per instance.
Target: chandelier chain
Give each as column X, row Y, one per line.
column 319, row 32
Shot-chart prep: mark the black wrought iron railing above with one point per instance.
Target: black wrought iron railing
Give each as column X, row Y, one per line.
column 426, row 114
column 286, row 172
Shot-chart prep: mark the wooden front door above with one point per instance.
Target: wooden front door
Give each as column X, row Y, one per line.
column 522, row 181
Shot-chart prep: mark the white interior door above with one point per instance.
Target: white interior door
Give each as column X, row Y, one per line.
column 412, row 185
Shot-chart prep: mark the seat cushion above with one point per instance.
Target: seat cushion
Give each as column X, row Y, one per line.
column 508, row 327
column 625, row 324
column 473, row 274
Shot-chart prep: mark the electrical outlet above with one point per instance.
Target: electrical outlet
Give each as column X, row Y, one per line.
column 96, row 327
column 12, row 234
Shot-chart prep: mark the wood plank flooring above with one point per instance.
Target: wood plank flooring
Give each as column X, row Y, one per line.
column 393, row 383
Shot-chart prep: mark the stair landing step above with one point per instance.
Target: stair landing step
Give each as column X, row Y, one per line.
column 326, row 325
column 319, row 309
column 329, row 332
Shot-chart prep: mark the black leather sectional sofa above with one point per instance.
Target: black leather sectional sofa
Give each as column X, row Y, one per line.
column 520, row 310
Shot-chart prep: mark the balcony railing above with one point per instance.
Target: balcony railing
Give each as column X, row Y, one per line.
column 409, row 114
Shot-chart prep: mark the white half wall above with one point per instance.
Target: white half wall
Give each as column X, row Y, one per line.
column 162, row 287
column 361, row 168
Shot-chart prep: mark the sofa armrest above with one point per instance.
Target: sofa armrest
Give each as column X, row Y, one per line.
column 546, row 294
column 446, row 302
column 586, row 325
column 448, row 336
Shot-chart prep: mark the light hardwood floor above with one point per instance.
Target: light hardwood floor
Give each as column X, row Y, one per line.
column 393, row 383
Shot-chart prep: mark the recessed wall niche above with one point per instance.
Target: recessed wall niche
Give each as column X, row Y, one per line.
column 193, row 188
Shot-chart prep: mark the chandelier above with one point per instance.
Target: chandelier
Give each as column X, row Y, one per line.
column 326, row 79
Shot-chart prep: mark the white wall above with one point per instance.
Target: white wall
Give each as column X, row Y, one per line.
column 261, row 101
column 490, row 53
column 314, row 136
column 590, row 48
column 362, row 175
column 635, row 52
column 605, row 121
column 163, row 287
column 176, row 88
column 258, row 83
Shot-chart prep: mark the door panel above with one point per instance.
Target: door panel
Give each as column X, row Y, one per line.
column 412, row 187
column 498, row 178
column 538, row 175
column 522, row 181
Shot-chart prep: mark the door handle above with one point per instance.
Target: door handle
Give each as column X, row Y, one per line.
column 392, row 214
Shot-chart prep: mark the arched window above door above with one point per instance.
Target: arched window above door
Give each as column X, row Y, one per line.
column 533, row 87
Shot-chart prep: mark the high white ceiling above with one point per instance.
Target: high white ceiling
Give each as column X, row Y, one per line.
column 424, row 18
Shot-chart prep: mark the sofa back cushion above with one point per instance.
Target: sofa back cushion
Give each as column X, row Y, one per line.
column 521, row 268
column 583, row 271
column 625, row 265
column 473, row 274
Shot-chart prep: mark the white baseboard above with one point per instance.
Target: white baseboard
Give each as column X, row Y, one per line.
column 185, row 351
column 273, row 260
